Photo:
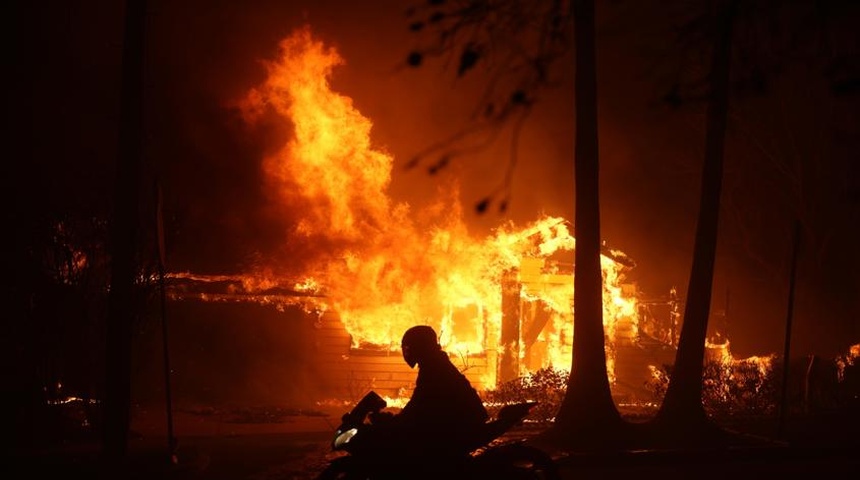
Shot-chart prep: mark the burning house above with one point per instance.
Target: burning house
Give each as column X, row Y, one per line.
column 526, row 326
column 370, row 268
column 358, row 268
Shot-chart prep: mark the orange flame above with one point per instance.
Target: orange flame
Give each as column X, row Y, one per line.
column 388, row 268
column 847, row 360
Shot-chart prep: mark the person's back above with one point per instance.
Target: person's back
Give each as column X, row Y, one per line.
column 443, row 398
column 445, row 415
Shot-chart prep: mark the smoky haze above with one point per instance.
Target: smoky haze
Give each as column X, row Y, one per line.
column 202, row 57
column 650, row 155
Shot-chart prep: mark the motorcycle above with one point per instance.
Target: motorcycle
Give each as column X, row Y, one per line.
column 488, row 456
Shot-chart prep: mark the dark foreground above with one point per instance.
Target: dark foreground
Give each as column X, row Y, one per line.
column 298, row 448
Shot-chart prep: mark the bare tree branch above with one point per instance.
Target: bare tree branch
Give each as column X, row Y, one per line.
column 516, row 43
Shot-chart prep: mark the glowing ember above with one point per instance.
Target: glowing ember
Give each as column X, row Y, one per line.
column 847, row 360
column 383, row 267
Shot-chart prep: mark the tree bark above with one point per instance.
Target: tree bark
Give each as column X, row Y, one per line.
column 588, row 414
column 682, row 411
column 124, row 240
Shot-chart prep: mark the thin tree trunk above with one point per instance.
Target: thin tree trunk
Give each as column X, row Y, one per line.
column 789, row 317
column 588, row 405
column 682, row 408
column 124, row 240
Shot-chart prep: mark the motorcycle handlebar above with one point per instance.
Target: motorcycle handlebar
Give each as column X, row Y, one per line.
column 371, row 403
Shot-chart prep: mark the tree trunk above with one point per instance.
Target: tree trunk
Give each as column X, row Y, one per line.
column 587, row 417
column 124, row 240
column 682, row 412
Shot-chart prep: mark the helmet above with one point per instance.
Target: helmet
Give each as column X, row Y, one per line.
column 418, row 342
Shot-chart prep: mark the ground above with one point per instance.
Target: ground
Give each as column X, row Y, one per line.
column 266, row 443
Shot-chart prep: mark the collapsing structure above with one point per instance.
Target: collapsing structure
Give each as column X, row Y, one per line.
column 532, row 330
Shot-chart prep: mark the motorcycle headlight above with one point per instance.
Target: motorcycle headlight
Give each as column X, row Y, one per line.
column 343, row 437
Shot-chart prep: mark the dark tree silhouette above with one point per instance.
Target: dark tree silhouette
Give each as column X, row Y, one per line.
column 758, row 53
column 124, row 239
column 56, row 206
column 682, row 411
column 588, row 409
column 588, row 417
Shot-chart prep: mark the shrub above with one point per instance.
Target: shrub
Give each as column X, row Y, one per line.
column 729, row 389
column 546, row 386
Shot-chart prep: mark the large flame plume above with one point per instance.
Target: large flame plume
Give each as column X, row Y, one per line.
column 381, row 265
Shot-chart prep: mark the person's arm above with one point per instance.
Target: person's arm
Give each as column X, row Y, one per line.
column 418, row 402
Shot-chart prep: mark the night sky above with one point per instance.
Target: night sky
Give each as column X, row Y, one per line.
column 203, row 56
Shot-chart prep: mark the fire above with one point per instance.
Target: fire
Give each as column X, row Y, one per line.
column 847, row 360
column 383, row 266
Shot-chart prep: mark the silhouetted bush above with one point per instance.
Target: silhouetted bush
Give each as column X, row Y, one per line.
column 747, row 387
column 546, row 386
column 744, row 387
column 739, row 388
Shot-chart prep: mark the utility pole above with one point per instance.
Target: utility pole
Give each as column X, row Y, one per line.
column 159, row 226
column 783, row 409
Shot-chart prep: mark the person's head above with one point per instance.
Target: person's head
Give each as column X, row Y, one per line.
column 418, row 342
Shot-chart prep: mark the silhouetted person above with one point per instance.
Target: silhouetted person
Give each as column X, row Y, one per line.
column 444, row 418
